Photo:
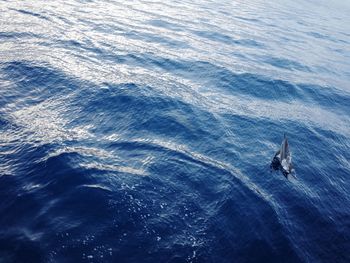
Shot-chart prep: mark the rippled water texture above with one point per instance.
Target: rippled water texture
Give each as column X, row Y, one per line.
column 139, row 131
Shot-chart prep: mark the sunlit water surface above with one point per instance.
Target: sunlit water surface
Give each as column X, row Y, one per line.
column 142, row 131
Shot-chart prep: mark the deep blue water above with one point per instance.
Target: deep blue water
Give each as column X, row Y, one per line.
column 142, row 131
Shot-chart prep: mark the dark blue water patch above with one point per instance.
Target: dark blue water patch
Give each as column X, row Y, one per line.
column 129, row 223
column 286, row 64
column 331, row 239
column 217, row 231
column 17, row 234
column 233, row 230
column 335, row 145
column 4, row 122
column 34, row 204
column 309, row 157
column 326, row 96
column 131, row 104
column 30, row 75
column 14, row 247
column 34, row 82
